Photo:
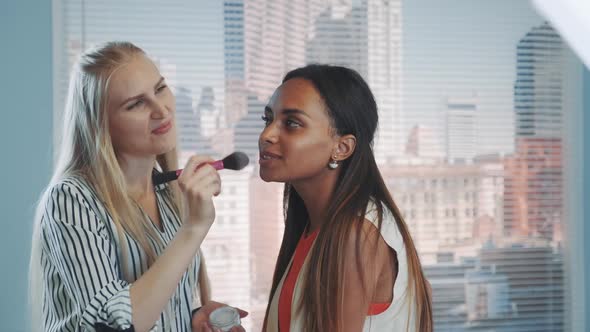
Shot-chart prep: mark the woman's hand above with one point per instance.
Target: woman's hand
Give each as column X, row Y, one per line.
column 200, row 320
column 199, row 182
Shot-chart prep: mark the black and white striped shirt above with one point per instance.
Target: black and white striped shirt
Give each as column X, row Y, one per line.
column 80, row 259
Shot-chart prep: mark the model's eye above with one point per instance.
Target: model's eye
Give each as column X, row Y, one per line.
column 161, row 88
column 292, row 123
column 267, row 120
column 138, row 103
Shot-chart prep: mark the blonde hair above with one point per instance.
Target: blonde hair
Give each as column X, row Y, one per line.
column 86, row 150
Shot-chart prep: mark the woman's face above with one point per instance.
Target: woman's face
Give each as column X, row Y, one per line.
column 298, row 139
column 141, row 110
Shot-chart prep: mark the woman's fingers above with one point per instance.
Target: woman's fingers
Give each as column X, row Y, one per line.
column 243, row 313
column 194, row 164
column 205, row 181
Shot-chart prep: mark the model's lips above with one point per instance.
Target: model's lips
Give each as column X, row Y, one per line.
column 267, row 157
column 162, row 129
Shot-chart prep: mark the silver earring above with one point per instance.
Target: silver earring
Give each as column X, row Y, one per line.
column 333, row 164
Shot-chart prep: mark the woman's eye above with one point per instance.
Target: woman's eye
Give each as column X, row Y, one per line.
column 161, row 88
column 266, row 120
column 292, row 124
column 135, row 104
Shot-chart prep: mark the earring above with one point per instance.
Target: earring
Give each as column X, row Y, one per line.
column 333, row 164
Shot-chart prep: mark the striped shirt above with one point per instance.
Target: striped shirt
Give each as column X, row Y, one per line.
column 83, row 284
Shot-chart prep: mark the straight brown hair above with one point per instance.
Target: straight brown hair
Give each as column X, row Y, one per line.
column 352, row 110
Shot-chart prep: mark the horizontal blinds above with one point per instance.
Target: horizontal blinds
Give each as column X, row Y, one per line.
column 470, row 138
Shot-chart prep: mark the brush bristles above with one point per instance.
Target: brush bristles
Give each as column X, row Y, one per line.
column 236, row 161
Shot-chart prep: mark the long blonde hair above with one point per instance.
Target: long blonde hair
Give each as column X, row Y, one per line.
column 86, row 150
column 352, row 110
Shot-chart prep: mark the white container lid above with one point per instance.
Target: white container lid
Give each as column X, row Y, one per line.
column 224, row 318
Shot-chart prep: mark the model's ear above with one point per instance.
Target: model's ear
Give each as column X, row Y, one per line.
column 343, row 147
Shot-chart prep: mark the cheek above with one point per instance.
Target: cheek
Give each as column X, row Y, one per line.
column 309, row 152
column 115, row 130
column 125, row 129
column 171, row 102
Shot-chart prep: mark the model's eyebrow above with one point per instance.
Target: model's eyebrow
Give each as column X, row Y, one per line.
column 142, row 94
column 287, row 111
column 159, row 82
column 294, row 111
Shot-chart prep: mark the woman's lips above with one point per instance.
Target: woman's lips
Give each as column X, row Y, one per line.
column 164, row 128
column 267, row 157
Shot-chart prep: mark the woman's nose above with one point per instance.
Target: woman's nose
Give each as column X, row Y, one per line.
column 269, row 134
column 159, row 109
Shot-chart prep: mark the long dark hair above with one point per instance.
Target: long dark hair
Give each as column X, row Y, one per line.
column 352, row 109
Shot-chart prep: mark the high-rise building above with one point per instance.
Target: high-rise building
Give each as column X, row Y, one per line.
column 538, row 90
column 234, row 62
column 188, row 121
column 247, row 130
column 447, row 279
column 227, row 246
column 534, row 181
column 533, row 198
column 367, row 36
column 461, row 129
column 211, row 119
column 444, row 204
column 266, row 232
column 189, row 126
column 536, row 290
column 275, row 38
column 264, row 39
column 423, row 143
column 215, row 136
column 493, row 291
column 486, row 295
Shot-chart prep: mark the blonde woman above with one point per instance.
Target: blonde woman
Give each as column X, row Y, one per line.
column 347, row 261
column 111, row 252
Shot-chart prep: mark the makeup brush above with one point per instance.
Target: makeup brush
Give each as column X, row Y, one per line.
column 235, row 161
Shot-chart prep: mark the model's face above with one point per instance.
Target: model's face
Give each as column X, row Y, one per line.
column 141, row 110
column 298, row 139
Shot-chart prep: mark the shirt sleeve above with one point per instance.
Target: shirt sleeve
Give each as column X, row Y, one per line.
column 77, row 244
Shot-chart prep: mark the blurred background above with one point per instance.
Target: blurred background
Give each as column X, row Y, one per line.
column 481, row 137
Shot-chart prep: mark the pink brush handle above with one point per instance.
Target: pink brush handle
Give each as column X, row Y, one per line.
column 218, row 165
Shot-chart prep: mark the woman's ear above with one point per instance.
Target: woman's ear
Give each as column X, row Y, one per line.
column 345, row 146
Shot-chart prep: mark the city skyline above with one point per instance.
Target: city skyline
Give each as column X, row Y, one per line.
column 431, row 29
column 453, row 144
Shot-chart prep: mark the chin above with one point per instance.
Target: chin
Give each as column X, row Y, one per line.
column 166, row 145
column 268, row 177
column 264, row 176
column 162, row 149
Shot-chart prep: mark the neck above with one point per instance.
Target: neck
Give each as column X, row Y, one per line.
column 316, row 194
column 138, row 175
